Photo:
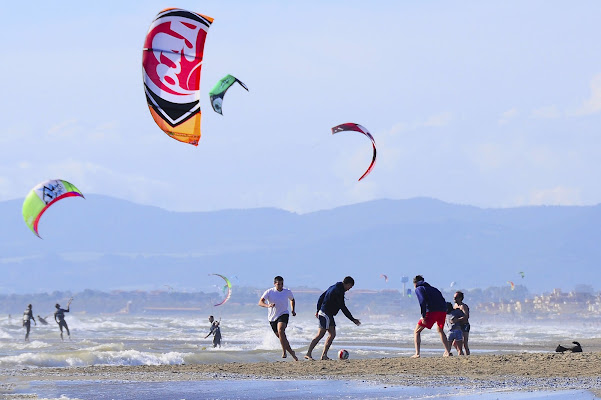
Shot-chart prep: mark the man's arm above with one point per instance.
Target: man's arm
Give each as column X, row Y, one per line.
column 320, row 301
column 346, row 311
column 293, row 306
column 419, row 292
column 466, row 313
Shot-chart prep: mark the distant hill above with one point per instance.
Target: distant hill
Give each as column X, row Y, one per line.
column 103, row 243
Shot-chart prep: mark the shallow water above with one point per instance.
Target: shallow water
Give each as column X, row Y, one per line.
column 177, row 339
column 275, row 389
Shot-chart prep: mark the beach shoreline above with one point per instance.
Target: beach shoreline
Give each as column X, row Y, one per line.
column 532, row 371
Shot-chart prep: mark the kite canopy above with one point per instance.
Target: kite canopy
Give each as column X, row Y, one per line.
column 227, row 290
column 218, row 92
column 385, row 277
column 43, row 196
column 512, row 285
column 171, row 63
column 350, row 126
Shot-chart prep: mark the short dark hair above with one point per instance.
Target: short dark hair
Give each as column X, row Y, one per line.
column 57, row 305
column 418, row 278
column 460, row 294
column 210, row 316
column 278, row 279
column 348, row 279
column 29, row 306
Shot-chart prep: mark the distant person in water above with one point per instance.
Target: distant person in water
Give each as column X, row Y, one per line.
column 330, row 302
column 59, row 317
column 434, row 310
column 215, row 331
column 27, row 318
column 276, row 300
column 42, row 320
column 465, row 324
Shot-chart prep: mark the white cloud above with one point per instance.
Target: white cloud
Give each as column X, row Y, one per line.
column 439, row 120
column 593, row 104
column 508, row 115
column 549, row 112
column 555, row 196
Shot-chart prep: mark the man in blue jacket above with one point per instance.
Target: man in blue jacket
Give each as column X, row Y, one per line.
column 330, row 302
column 433, row 310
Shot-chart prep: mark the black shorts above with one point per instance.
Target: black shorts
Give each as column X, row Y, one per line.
column 465, row 327
column 282, row 318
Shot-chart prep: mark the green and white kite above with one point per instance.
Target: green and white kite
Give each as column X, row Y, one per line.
column 219, row 90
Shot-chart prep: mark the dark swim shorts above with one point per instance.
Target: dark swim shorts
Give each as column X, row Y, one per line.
column 282, row 318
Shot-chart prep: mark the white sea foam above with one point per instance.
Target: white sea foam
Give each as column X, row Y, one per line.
column 176, row 339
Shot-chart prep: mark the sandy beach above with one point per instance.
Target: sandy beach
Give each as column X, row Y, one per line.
column 533, row 371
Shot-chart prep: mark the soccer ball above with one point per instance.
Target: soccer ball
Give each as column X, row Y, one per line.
column 343, row 354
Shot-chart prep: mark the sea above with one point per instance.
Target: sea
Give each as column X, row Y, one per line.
column 179, row 338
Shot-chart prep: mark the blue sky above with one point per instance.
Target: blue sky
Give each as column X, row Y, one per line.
column 494, row 104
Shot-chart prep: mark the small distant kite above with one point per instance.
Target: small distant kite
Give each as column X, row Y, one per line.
column 171, row 63
column 43, row 196
column 512, row 285
column 385, row 277
column 227, row 290
column 408, row 292
column 218, row 92
column 453, row 283
column 522, row 274
column 350, row 126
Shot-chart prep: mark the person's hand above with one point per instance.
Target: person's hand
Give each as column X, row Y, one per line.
column 293, row 313
column 317, row 314
column 357, row 322
column 271, row 305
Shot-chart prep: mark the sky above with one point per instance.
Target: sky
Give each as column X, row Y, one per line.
column 492, row 104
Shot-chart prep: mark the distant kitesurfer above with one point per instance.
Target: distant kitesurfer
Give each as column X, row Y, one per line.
column 27, row 317
column 330, row 302
column 276, row 300
column 216, row 331
column 59, row 317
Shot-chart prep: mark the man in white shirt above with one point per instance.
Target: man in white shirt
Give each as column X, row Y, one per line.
column 276, row 301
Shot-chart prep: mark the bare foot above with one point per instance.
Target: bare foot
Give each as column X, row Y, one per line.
column 293, row 354
column 447, row 354
column 308, row 357
column 415, row 356
column 325, row 358
column 284, row 355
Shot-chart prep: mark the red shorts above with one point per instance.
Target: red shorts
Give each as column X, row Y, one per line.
column 434, row 316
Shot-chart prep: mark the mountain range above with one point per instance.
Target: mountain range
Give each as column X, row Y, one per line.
column 104, row 243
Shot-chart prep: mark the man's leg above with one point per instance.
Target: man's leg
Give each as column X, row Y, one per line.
column 27, row 327
column 284, row 341
column 458, row 344
column 67, row 328
column 465, row 344
column 417, row 339
column 61, row 328
column 329, row 340
column 314, row 342
column 445, row 342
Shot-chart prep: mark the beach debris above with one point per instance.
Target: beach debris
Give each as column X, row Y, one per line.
column 574, row 349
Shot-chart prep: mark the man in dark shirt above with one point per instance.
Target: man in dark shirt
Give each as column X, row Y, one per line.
column 330, row 302
column 27, row 317
column 433, row 309
column 59, row 317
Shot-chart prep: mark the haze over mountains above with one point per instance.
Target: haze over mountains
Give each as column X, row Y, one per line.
column 106, row 243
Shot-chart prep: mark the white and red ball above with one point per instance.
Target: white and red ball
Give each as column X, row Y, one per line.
column 343, row 354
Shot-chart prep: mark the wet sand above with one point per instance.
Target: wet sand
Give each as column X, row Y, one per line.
column 550, row 371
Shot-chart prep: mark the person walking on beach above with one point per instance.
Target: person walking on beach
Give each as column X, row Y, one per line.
column 455, row 337
column 27, row 318
column 465, row 324
column 276, row 300
column 433, row 309
column 59, row 317
column 215, row 331
column 330, row 302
